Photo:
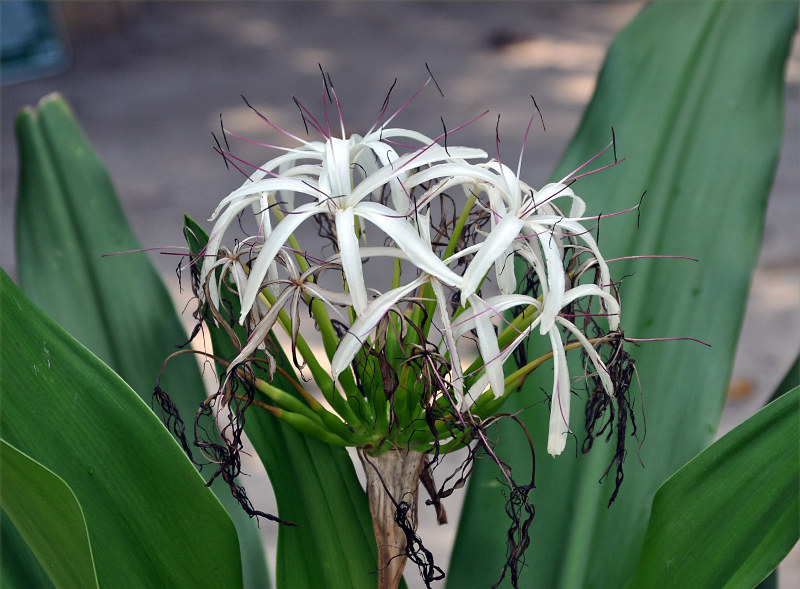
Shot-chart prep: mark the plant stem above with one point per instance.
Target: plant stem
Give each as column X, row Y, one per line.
column 392, row 481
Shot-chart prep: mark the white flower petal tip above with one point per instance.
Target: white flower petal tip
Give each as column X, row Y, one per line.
column 556, row 443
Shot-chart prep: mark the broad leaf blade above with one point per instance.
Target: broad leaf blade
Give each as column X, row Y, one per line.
column 729, row 516
column 20, row 569
column 695, row 94
column 315, row 486
column 68, row 219
column 151, row 520
column 47, row 513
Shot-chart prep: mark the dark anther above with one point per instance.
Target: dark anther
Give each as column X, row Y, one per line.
column 541, row 118
column 224, row 134
column 597, row 228
column 444, row 127
column 220, row 151
column 434, row 79
column 326, row 80
column 302, row 114
column 639, row 208
column 614, row 144
column 388, row 94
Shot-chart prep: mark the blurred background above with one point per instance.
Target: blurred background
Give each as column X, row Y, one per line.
column 149, row 80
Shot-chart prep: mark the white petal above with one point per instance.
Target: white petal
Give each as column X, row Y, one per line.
column 560, row 401
column 496, row 304
column 407, row 239
column 599, row 365
column 403, row 164
column 487, row 345
column 336, row 166
column 351, row 261
column 556, row 280
column 457, row 378
column 218, row 232
column 260, row 331
column 506, row 276
column 329, row 297
column 356, row 336
column 250, row 189
column 269, row 250
column 502, row 236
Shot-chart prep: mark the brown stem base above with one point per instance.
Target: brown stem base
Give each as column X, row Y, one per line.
column 392, row 478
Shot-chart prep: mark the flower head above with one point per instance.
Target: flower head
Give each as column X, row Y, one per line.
column 445, row 268
column 479, row 263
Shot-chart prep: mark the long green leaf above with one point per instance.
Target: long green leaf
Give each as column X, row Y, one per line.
column 21, row 568
column 68, row 218
column 729, row 516
column 46, row 511
column 694, row 91
column 315, row 487
column 151, row 520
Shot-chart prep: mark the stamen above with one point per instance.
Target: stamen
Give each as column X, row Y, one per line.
column 270, row 123
column 434, row 80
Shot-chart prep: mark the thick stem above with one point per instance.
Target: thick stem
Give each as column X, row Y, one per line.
column 392, row 480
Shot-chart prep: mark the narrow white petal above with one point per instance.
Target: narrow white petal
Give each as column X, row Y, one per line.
column 268, row 252
column 351, row 261
column 407, row 239
column 329, row 297
column 500, row 239
column 218, row 232
column 551, row 191
column 250, row 189
column 556, row 280
column 461, row 170
column 356, row 336
column 260, row 331
column 506, row 276
column 487, row 345
column 373, row 252
column 497, row 304
column 599, row 365
column 337, row 166
column 403, row 164
column 560, row 401
column 457, row 377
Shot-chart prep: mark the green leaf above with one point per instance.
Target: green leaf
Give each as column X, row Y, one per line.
column 68, row 218
column 729, row 516
column 315, row 487
column 694, row 91
column 20, row 569
column 47, row 513
column 151, row 520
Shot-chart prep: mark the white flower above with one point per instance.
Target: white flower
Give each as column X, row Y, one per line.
column 345, row 176
column 479, row 317
column 358, row 183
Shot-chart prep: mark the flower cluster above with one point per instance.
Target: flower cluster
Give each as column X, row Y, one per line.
column 479, row 262
column 434, row 269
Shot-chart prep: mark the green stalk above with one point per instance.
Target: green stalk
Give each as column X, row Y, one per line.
column 290, row 402
column 307, row 426
column 319, row 374
column 331, row 421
